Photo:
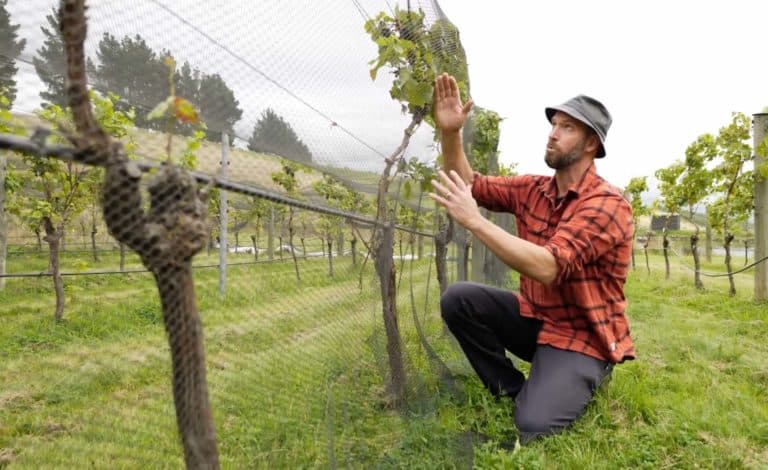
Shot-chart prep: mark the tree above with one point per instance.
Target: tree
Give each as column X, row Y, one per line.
column 218, row 107
column 130, row 68
column 52, row 193
column 287, row 179
column 8, row 184
column 259, row 211
column 50, row 64
column 10, row 48
column 272, row 134
column 671, row 201
column 733, row 183
column 694, row 187
column 685, row 184
column 345, row 198
column 633, row 192
column 404, row 46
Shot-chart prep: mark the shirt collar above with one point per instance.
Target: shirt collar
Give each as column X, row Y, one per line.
column 587, row 180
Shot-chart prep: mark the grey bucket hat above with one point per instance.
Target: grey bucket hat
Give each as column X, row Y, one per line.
column 589, row 111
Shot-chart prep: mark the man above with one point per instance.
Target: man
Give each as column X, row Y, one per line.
column 572, row 253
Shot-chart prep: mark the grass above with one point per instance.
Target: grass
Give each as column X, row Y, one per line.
column 296, row 375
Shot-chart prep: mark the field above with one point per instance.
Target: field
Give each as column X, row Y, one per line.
column 295, row 372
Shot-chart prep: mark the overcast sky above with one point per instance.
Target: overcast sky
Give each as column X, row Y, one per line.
column 668, row 71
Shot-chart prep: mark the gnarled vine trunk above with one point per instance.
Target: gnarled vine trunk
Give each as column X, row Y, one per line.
column 382, row 252
column 442, row 238
column 696, row 260
column 732, row 283
column 645, row 250
column 53, row 238
column 93, row 240
column 166, row 238
column 290, row 242
column 3, row 221
column 255, row 248
column 665, row 245
column 353, row 245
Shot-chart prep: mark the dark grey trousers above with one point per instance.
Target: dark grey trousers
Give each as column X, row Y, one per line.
column 486, row 321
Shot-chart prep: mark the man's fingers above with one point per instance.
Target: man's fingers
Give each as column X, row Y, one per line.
column 439, row 199
column 439, row 188
column 442, row 85
column 458, row 181
column 453, row 89
column 449, row 184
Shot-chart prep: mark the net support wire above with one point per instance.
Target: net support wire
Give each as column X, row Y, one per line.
column 707, row 274
column 37, row 148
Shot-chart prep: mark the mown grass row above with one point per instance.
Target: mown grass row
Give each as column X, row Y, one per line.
column 276, row 350
column 296, row 379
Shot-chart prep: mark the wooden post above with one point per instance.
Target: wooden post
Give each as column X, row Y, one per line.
column 760, row 123
column 223, row 216
column 3, row 220
column 462, row 252
column 477, row 261
column 708, row 239
column 271, row 234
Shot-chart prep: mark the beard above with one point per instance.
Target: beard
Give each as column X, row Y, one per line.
column 559, row 160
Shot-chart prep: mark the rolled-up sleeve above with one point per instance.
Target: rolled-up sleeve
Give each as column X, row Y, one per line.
column 500, row 193
column 600, row 223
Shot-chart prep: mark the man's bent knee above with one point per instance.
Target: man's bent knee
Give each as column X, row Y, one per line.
column 453, row 300
column 532, row 424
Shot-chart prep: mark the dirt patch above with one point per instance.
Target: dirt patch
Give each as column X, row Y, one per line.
column 7, row 456
column 13, row 400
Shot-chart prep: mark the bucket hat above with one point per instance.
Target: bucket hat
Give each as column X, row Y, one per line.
column 589, row 111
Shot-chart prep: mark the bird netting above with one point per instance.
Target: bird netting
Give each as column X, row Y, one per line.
column 251, row 178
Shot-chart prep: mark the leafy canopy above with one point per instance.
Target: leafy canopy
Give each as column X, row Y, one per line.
column 416, row 56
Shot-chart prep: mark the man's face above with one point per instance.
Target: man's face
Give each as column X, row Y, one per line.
column 566, row 143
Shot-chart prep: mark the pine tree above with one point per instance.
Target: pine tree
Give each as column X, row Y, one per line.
column 50, row 63
column 132, row 70
column 10, row 48
column 218, row 106
column 272, row 134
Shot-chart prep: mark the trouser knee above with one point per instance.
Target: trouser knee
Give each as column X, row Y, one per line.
column 532, row 424
column 454, row 300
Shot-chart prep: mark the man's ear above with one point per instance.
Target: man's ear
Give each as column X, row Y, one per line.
column 593, row 143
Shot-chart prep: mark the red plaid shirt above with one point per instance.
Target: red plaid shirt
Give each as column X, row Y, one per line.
column 589, row 232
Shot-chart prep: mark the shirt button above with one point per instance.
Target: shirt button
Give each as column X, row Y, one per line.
column 613, row 346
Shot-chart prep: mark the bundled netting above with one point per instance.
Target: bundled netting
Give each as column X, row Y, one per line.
column 242, row 188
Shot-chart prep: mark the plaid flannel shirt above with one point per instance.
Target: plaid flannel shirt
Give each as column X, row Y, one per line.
column 589, row 232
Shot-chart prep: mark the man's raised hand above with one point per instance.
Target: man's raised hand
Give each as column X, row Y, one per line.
column 450, row 114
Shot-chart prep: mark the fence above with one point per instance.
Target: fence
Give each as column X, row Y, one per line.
column 243, row 157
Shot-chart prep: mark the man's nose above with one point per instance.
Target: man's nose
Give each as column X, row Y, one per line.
column 553, row 133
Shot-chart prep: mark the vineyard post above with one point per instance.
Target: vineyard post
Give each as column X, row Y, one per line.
column 223, row 216
column 3, row 220
column 760, row 123
column 708, row 240
column 271, row 234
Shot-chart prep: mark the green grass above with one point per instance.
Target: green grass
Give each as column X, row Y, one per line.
column 296, row 376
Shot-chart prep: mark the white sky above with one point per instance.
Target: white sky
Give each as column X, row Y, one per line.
column 668, row 71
